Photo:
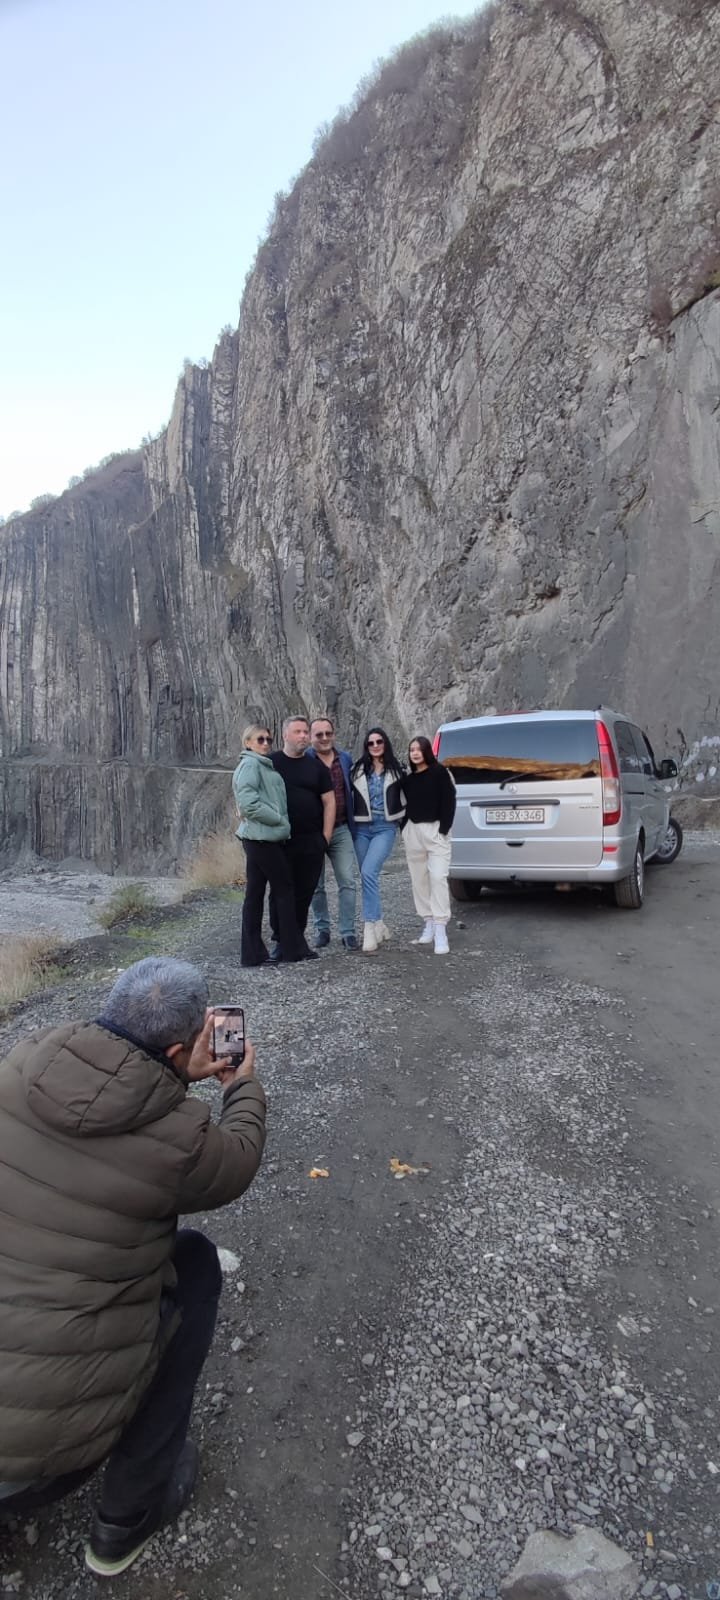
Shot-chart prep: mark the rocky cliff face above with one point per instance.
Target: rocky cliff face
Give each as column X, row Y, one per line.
column 463, row 451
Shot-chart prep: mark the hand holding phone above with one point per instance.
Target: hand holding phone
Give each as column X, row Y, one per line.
column 229, row 1034
column 222, row 1050
column 227, row 1073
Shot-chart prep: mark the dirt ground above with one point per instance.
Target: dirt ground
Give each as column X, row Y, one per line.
column 414, row 1370
column 58, row 901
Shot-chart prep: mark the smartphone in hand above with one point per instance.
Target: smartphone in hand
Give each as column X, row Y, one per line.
column 229, row 1034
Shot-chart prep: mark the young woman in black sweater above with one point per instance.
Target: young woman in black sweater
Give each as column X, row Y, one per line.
column 430, row 793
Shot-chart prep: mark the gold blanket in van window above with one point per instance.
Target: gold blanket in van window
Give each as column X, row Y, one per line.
column 497, row 769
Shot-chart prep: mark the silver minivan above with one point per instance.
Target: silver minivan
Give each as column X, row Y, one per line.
column 556, row 797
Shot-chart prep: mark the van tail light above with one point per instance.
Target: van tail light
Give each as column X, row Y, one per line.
column 610, row 775
column 436, row 744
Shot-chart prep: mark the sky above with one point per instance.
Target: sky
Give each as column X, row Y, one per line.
column 142, row 143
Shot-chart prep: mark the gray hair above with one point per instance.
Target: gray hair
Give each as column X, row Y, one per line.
column 159, row 1001
column 299, row 716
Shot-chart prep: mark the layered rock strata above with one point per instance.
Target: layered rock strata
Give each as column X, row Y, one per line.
column 462, row 452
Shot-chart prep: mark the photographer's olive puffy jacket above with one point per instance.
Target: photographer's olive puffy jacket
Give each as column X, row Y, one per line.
column 101, row 1147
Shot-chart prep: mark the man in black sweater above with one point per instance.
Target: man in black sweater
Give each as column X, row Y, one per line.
column 311, row 809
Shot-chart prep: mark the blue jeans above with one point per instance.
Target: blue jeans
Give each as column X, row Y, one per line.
column 373, row 844
column 342, row 860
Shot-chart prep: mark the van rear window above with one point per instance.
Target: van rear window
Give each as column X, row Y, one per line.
column 521, row 752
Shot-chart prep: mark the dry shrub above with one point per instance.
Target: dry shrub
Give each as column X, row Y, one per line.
column 706, row 273
column 437, row 76
column 216, row 862
column 27, row 963
column 401, row 72
column 128, row 901
column 660, row 307
column 702, row 278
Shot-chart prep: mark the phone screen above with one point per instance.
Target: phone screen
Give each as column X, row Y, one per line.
column 229, row 1032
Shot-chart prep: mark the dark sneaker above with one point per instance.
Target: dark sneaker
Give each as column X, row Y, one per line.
column 115, row 1545
column 308, row 955
column 322, row 939
column 350, row 942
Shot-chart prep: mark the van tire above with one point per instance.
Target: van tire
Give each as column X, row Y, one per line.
column 671, row 845
column 465, row 888
column 630, row 890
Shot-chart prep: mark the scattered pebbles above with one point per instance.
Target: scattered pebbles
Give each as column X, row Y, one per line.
column 497, row 1409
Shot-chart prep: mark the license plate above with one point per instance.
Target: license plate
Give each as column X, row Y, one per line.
column 515, row 814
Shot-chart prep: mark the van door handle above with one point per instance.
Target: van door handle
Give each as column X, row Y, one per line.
column 514, row 844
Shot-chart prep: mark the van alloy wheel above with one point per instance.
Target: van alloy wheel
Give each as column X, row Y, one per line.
column 630, row 890
column 671, row 844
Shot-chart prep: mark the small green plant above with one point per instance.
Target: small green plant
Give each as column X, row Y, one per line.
column 130, row 900
column 141, row 934
column 27, row 963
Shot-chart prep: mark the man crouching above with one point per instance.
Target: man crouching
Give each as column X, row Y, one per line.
column 107, row 1311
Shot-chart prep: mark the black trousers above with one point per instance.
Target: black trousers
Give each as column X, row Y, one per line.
column 140, row 1466
column 268, row 863
column 305, row 854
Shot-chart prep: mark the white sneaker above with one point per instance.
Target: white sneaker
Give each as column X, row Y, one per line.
column 369, row 943
column 428, row 933
column 442, row 947
column 382, row 934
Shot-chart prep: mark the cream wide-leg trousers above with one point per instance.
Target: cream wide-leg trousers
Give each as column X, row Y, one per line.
column 428, row 858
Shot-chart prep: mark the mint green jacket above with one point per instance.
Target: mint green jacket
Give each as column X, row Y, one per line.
column 261, row 799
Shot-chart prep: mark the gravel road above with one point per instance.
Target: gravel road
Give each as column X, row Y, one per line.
column 415, row 1369
column 56, row 900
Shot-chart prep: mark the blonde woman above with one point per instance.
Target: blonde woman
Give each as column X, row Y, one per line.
column 261, row 800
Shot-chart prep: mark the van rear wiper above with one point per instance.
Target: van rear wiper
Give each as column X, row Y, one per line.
column 527, row 777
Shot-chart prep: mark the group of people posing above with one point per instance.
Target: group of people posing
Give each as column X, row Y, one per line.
column 310, row 802
column 107, row 1307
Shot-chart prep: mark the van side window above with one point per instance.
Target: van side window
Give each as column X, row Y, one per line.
column 629, row 756
column 645, row 752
